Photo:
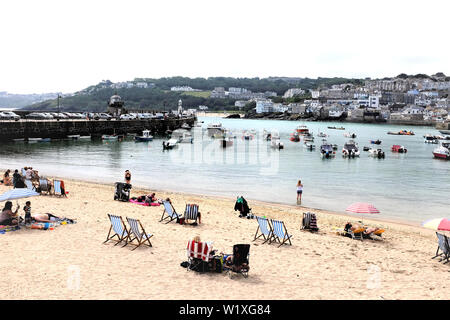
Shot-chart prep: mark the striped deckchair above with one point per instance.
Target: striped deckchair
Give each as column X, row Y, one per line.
column 197, row 253
column 280, row 233
column 170, row 211
column 444, row 246
column 58, row 188
column 240, row 260
column 191, row 212
column 119, row 229
column 140, row 237
column 265, row 228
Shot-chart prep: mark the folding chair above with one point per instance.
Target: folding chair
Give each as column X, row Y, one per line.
column 141, row 237
column 444, row 246
column 58, row 188
column 171, row 213
column 265, row 228
column 280, row 233
column 191, row 213
column 119, row 229
column 240, row 261
column 198, row 253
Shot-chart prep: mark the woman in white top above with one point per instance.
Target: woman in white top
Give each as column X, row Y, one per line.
column 299, row 190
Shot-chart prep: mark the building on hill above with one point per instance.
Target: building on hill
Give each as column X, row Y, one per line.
column 293, row 92
column 115, row 105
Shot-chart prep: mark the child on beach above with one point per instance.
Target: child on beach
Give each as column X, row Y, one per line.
column 127, row 176
column 27, row 210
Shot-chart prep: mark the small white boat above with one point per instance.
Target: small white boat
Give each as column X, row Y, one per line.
column 350, row 135
column 108, row 137
column 73, row 137
column 146, row 136
column 182, row 135
column 276, row 143
column 376, row 153
column 170, row 144
column 309, row 146
column 214, row 126
column 443, row 151
column 84, row 138
column 350, row 149
column 322, row 135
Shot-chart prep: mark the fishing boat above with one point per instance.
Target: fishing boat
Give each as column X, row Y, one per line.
column 350, row 135
column 399, row 148
column 302, row 130
column 295, row 137
column 146, row 136
column 443, row 151
column 378, row 141
column 350, row 149
column 402, row 133
column 326, row 150
column 309, row 146
column 335, row 128
column 170, row 144
column 376, row 153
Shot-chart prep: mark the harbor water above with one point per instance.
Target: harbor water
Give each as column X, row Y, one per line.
column 412, row 186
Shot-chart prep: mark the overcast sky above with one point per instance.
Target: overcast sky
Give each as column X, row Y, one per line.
column 50, row 46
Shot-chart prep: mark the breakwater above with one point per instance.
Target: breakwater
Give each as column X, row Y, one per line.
column 24, row 129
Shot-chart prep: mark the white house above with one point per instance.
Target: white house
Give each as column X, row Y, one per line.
column 264, row 106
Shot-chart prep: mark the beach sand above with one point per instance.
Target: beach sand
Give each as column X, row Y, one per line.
column 71, row 262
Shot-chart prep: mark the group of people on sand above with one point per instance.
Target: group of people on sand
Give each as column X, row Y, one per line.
column 8, row 217
column 147, row 198
column 18, row 178
column 354, row 227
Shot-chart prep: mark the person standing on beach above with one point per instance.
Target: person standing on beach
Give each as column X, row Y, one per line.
column 127, row 176
column 299, row 191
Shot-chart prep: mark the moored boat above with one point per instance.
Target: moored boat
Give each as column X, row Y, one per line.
column 146, row 136
column 302, row 130
column 443, row 151
column 376, row 153
column 170, row 144
column 295, row 137
column 350, row 149
column 399, row 148
column 378, row 141
column 402, row 133
column 326, row 150
column 309, row 146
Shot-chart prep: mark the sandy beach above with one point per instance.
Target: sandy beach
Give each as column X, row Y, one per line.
column 71, row 262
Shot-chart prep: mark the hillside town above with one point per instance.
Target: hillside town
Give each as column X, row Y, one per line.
column 404, row 99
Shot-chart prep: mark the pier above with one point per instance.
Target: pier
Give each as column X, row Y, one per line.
column 60, row 129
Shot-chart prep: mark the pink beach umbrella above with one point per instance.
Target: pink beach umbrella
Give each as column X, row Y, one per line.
column 438, row 224
column 362, row 208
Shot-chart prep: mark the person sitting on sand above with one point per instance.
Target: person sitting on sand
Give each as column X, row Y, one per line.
column 151, row 198
column 8, row 217
column 7, row 179
column 16, row 178
column 46, row 217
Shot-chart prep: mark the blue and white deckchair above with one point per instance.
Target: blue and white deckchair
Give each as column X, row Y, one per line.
column 443, row 245
column 171, row 213
column 118, row 227
column 280, row 233
column 57, row 190
column 265, row 228
column 141, row 237
column 191, row 212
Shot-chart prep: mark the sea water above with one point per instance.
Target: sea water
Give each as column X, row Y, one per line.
column 412, row 186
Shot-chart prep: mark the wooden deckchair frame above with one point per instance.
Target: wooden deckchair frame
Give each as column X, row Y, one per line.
column 287, row 236
column 269, row 236
column 121, row 237
column 140, row 237
column 169, row 217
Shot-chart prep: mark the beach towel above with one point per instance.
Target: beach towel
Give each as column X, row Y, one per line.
column 43, row 226
column 4, row 229
column 146, row 204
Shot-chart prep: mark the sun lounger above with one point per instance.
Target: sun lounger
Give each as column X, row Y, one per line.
column 264, row 228
column 280, row 233
column 118, row 228
column 240, row 260
column 169, row 210
column 140, row 236
column 198, row 253
column 443, row 246
column 191, row 213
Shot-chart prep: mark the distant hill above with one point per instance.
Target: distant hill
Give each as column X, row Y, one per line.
column 16, row 101
column 155, row 94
